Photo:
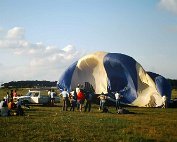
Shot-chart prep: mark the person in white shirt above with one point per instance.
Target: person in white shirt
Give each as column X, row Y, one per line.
column 65, row 96
column 78, row 88
column 164, row 101
column 117, row 97
column 52, row 98
column 1, row 103
column 49, row 92
column 77, row 91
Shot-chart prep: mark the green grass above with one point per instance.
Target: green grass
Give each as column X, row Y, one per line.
column 51, row 124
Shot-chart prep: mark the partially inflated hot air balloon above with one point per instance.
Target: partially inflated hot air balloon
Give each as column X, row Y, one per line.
column 111, row 72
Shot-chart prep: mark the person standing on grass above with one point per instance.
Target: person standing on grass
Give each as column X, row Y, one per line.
column 49, row 91
column 77, row 91
column 65, row 96
column 15, row 93
column 11, row 94
column 164, row 101
column 88, row 98
column 80, row 99
column 52, row 99
column 73, row 99
column 49, row 94
column 19, row 108
column 118, row 98
column 102, row 98
column 78, row 88
column 7, row 97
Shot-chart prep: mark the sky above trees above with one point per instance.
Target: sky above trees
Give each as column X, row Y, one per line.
column 40, row 39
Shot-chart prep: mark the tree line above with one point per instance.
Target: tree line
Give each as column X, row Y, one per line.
column 29, row 84
column 173, row 83
column 36, row 83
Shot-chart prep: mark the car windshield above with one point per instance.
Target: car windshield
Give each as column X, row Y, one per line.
column 28, row 94
column 32, row 94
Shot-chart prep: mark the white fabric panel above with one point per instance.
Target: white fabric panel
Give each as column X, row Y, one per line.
column 90, row 69
column 147, row 93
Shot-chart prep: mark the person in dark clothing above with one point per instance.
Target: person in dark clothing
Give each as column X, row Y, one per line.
column 89, row 97
column 11, row 94
column 73, row 98
column 19, row 108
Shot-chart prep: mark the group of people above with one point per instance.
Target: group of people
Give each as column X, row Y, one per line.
column 103, row 98
column 13, row 93
column 7, row 105
column 82, row 98
column 79, row 98
column 76, row 99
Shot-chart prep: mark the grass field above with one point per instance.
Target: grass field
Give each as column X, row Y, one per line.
column 51, row 124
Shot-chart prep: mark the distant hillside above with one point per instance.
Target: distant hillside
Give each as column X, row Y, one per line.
column 29, row 84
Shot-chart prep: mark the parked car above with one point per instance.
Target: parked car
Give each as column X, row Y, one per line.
column 35, row 97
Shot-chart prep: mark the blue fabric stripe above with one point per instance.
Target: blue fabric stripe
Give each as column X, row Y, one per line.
column 65, row 79
column 162, row 84
column 121, row 72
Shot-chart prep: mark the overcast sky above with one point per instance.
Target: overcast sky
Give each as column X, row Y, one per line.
column 40, row 39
